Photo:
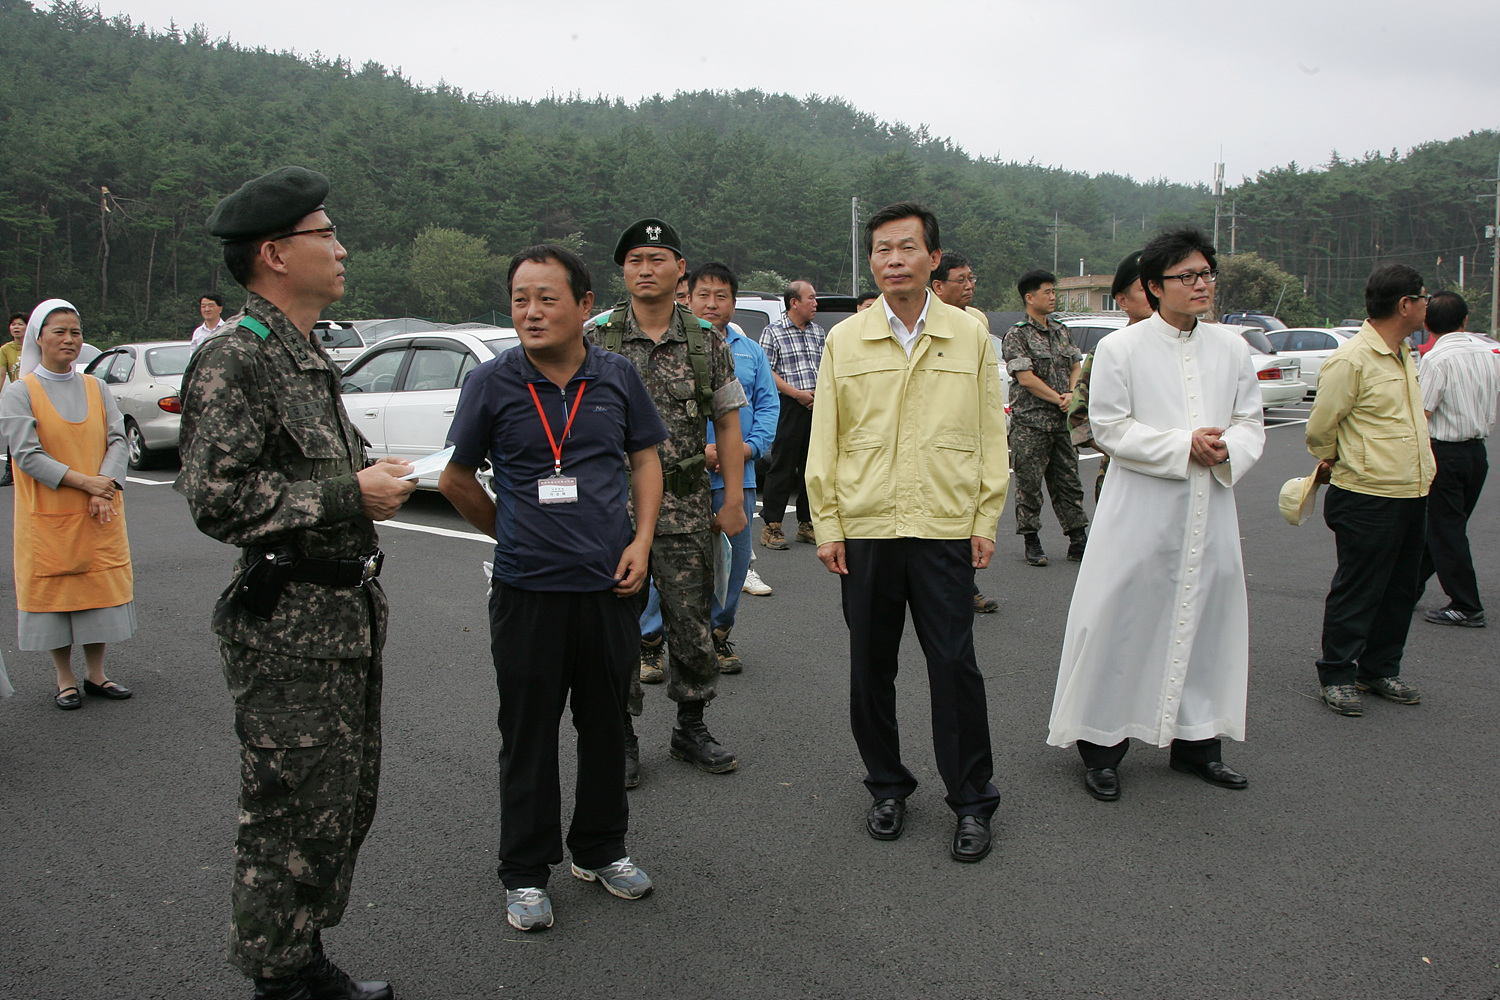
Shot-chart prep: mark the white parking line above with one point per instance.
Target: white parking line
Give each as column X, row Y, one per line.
column 430, row 530
column 149, row 482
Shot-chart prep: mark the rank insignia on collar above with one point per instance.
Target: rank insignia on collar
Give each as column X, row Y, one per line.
column 653, row 233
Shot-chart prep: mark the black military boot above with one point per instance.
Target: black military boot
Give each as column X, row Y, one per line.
column 281, row 988
column 326, row 981
column 692, row 742
column 1034, row 554
column 1078, row 538
column 632, row 754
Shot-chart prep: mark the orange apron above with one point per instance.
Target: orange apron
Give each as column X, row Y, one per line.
column 65, row 559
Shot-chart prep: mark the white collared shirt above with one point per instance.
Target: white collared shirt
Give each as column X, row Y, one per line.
column 1460, row 380
column 202, row 333
column 907, row 338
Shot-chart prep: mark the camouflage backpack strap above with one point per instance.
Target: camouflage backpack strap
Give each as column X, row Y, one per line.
column 614, row 328
column 697, row 342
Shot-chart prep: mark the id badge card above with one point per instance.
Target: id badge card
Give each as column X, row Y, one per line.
column 557, row 489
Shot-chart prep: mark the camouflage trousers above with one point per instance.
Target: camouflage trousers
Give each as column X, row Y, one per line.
column 309, row 734
column 683, row 571
column 1099, row 479
column 1048, row 456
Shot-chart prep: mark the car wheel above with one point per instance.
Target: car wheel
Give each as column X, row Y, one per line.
column 140, row 456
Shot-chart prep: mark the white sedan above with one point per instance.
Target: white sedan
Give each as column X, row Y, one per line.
column 401, row 392
column 1310, row 346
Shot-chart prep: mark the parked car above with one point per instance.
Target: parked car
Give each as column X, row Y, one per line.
column 341, row 340
column 1280, row 378
column 1310, row 346
column 401, row 392
column 146, row 380
column 1260, row 321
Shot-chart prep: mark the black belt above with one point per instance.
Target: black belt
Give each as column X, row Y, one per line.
column 338, row 572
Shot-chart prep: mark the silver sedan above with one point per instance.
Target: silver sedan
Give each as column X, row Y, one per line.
column 146, row 380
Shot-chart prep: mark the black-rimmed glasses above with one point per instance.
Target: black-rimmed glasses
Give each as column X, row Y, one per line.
column 1190, row 278
column 332, row 231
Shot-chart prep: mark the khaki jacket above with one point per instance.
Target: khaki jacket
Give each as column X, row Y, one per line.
column 1368, row 418
column 908, row 447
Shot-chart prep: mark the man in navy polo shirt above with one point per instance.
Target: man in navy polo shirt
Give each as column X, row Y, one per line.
column 557, row 421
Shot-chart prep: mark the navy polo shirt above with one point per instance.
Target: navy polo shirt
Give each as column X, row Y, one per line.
column 561, row 546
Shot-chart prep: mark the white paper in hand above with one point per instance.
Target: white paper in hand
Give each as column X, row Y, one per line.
column 723, row 556
column 430, row 465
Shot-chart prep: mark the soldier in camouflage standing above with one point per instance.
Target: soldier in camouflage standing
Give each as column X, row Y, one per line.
column 1131, row 298
column 1043, row 366
column 270, row 463
column 689, row 371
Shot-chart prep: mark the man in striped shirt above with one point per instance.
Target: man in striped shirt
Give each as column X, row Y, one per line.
column 794, row 347
column 1460, row 380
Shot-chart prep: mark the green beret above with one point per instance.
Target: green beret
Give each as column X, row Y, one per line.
column 272, row 203
column 1126, row 274
column 648, row 233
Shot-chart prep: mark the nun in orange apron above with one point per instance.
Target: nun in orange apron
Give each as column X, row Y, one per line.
column 73, row 576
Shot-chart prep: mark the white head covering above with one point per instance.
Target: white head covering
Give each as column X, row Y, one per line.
column 31, row 351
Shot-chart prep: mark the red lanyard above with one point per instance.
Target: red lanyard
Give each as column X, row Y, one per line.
column 556, row 448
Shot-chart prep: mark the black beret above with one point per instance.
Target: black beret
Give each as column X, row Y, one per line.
column 272, row 203
column 648, row 233
column 1126, row 274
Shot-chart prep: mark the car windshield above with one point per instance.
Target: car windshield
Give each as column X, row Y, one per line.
column 499, row 347
column 169, row 360
column 335, row 337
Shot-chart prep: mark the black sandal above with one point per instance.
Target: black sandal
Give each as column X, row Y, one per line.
column 68, row 702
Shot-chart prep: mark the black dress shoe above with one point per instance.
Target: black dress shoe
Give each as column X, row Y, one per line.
column 281, row 988
column 1103, row 783
column 109, row 689
column 971, row 839
column 886, row 818
column 1215, row 772
column 68, row 699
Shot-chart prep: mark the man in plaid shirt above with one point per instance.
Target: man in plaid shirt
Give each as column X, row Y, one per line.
column 794, row 346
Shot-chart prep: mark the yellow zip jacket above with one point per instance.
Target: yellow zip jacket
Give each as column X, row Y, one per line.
column 908, row 447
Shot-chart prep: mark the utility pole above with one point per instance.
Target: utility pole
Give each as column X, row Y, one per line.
column 854, row 246
column 1056, row 227
column 1114, row 226
column 1234, row 221
column 1494, row 234
column 1218, row 199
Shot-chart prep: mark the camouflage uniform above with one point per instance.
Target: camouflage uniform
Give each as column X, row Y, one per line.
column 681, row 563
column 1041, row 448
column 1078, row 422
column 268, row 457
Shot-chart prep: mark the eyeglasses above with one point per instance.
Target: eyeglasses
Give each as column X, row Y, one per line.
column 970, row 280
column 331, row 231
column 1190, row 278
column 1425, row 297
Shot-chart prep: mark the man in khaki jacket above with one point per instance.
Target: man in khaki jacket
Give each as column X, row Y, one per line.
column 906, row 476
column 1368, row 428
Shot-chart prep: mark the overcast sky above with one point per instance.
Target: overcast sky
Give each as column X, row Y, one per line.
column 1146, row 89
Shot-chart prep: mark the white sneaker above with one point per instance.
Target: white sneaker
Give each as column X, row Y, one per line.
column 755, row 585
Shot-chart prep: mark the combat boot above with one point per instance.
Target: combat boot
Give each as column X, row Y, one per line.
column 1034, row 554
column 729, row 660
column 632, row 754
column 1078, row 538
column 326, row 981
column 805, row 533
column 772, row 538
column 281, row 988
column 651, row 658
column 692, row 742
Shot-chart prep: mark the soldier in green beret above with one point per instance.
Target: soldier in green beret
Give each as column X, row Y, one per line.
column 270, row 463
column 689, row 371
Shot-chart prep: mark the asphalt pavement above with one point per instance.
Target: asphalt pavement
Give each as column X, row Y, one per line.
column 1359, row 862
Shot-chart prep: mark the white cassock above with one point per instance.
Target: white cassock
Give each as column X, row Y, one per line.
column 1158, row 638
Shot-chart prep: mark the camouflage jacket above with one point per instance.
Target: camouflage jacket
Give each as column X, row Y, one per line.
column 1051, row 355
column 1079, row 428
column 668, row 375
column 268, row 457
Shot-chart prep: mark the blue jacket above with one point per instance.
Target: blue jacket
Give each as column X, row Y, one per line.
column 758, row 420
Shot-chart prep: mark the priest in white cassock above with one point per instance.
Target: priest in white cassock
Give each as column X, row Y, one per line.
column 1158, row 638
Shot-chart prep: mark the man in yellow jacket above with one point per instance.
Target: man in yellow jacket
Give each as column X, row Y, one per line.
column 906, row 477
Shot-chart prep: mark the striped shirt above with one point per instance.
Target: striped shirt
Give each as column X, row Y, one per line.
column 1460, row 380
column 794, row 352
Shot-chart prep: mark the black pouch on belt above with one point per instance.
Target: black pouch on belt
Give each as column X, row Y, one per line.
column 259, row 586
